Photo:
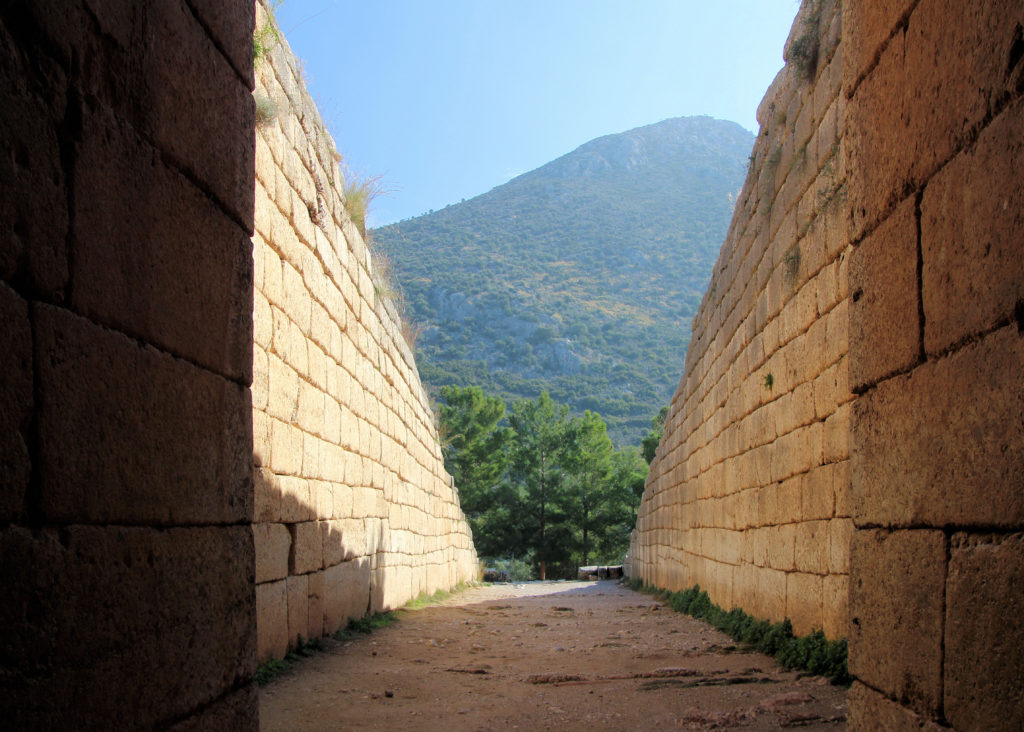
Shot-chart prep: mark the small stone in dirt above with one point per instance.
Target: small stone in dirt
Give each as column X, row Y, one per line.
column 388, row 693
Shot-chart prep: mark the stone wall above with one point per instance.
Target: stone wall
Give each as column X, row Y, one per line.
column 882, row 290
column 126, row 183
column 936, row 143
column 354, row 511
column 748, row 495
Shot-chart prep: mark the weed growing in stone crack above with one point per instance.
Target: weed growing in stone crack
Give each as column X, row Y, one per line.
column 791, row 262
column 360, row 192
column 266, row 36
column 803, row 54
column 812, row 652
column 267, row 110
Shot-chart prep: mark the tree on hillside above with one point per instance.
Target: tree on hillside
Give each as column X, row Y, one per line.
column 476, row 454
column 653, row 437
column 626, row 479
column 588, row 461
column 540, row 430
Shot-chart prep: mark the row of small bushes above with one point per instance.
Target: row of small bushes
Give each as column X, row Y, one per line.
column 813, row 652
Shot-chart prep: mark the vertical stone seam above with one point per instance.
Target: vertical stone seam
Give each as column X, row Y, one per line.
column 921, row 353
column 946, row 540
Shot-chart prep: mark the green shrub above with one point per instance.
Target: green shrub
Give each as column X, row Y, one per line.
column 270, row 670
column 366, row 624
column 519, row 570
column 813, row 652
column 273, row 668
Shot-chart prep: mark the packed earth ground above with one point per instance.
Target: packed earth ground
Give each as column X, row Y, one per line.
column 547, row 655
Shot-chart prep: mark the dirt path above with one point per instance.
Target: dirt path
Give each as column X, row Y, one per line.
column 559, row 656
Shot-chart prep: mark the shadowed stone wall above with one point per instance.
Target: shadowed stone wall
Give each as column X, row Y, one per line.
column 354, row 511
column 748, row 495
column 126, row 183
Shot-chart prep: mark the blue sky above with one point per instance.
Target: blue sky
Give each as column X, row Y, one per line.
column 446, row 99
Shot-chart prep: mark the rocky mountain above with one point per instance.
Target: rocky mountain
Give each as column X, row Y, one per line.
column 580, row 277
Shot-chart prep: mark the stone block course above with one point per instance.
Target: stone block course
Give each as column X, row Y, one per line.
column 348, row 460
column 757, row 432
column 127, row 170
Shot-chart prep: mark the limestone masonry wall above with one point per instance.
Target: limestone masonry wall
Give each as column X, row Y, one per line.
column 846, row 447
column 126, row 183
column 936, row 158
column 354, row 511
column 748, row 495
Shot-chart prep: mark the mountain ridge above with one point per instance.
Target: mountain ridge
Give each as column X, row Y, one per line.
column 580, row 277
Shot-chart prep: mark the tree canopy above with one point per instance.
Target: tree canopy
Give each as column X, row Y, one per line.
column 539, row 484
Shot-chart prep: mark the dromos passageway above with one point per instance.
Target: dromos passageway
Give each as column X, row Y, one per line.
column 553, row 655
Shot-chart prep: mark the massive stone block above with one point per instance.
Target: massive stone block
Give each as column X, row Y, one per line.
column 123, row 623
column 984, row 643
column 158, row 416
column 945, row 444
column 142, row 254
column 869, row 710
column 273, row 544
column 897, row 582
column 972, row 229
column 914, row 111
column 272, row 619
column 885, row 327
column 867, row 27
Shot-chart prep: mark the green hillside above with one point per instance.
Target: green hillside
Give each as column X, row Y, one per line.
column 581, row 277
